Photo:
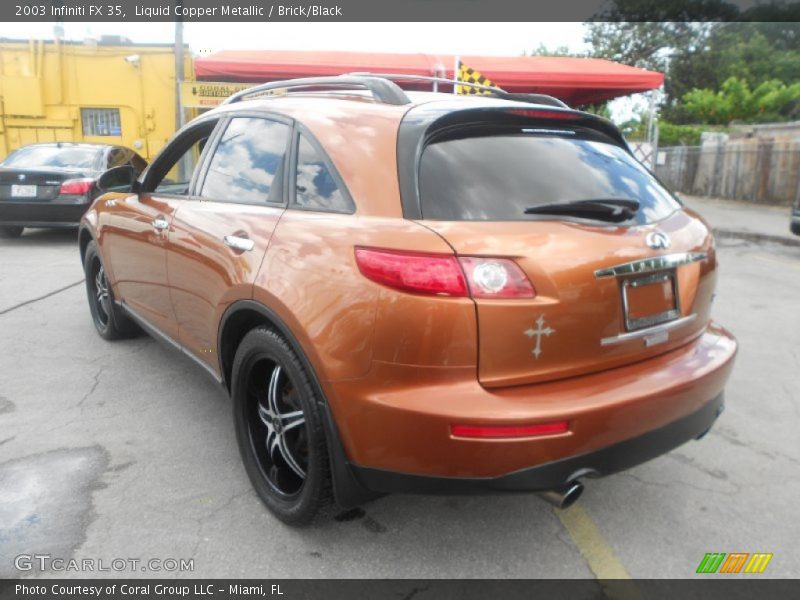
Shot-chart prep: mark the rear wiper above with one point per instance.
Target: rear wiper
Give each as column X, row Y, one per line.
column 605, row 209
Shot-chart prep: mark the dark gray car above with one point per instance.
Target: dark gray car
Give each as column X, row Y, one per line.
column 52, row 185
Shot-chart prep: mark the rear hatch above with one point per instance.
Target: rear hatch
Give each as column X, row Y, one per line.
column 33, row 184
column 610, row 289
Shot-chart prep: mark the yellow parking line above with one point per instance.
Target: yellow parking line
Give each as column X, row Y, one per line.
column 600, row 557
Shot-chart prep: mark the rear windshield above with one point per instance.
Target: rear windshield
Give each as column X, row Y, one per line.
column 496, row 177
column 53, row 156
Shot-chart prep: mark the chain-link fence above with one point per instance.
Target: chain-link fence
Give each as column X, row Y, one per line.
column 764, row 172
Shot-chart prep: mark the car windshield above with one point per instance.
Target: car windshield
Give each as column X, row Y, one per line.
column 498, row 177
column 53, row 156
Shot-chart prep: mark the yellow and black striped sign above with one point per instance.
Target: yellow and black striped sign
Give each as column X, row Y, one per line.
column 470, row 75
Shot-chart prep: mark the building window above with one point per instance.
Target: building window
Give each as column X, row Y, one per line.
column 101, row 122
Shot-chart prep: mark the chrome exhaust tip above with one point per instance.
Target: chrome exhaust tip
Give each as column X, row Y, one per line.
column 563, row 497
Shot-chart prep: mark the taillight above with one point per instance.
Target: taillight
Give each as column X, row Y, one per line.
column 77, row 187
column 436, row 274
column 496, row 278
column 444, row 274
column 509, row 431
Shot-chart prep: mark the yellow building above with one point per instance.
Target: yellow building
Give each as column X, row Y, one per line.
column 106, row 91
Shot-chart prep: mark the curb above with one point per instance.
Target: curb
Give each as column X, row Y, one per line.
column 757, row 237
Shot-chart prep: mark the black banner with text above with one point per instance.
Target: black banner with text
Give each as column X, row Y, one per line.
column 390, row 589
column 389, row 10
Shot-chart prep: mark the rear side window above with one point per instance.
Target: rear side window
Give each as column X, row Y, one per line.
column 247, row 165
column 496, row 177
column 316, row 187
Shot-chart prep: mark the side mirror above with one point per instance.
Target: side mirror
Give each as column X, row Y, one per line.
column 118, row 179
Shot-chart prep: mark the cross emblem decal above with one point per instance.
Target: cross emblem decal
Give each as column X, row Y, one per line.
column 538, row 333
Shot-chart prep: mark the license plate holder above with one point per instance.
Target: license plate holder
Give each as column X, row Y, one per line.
column 650, row 300
column 23, row 191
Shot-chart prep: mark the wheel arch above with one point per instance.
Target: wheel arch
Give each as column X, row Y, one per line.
column 244, row 315
column 84, row 237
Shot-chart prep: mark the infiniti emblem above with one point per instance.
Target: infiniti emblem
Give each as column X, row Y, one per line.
column 21, row 176
column 658, row 240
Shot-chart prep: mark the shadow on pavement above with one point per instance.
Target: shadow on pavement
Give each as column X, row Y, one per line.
column 45, row 237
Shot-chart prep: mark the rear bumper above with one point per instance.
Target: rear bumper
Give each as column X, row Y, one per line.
column 64, row 211
column 554, row 475
column 395, row 424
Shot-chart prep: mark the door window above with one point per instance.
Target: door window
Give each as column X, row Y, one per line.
column 248, row 163
column 171, row 173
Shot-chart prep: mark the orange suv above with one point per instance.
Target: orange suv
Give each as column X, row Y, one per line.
column 416, row 291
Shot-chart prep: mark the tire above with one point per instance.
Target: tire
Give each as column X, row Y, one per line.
column 795, row 227
column 109, row 320
column 279, row 428
column 10, row 231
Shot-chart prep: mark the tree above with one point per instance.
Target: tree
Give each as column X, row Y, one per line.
column 644, row 34
column 543, row 50
column 771, row 100
column 703, row 55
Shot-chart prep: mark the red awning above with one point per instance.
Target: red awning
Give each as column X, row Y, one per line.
column 577, row 81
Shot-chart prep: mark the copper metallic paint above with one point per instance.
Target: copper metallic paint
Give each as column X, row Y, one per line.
column 397, row 369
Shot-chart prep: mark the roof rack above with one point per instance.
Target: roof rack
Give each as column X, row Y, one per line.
column 381, row 88
column 499, row 92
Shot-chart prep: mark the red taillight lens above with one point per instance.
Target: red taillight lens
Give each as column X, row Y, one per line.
column 436, row 274
column 496, row 278
column 509, row 431
column 77, row 187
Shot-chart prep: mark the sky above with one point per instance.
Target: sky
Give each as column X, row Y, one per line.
column 498, row 39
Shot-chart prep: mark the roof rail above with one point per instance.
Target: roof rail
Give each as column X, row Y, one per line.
column 499, row 92
column 382, row 89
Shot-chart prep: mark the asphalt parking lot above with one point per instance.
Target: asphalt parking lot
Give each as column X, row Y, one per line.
column 126, row 449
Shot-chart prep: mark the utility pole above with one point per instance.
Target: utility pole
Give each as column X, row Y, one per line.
column 179, row 116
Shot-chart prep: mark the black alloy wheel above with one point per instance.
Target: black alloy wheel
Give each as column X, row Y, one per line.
column 109, row 320
column 279, row 428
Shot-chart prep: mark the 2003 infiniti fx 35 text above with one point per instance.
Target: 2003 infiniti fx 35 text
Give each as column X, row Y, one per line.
column 417, row 292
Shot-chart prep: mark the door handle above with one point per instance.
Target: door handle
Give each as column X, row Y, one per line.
column 160, row 223
column 239, row 243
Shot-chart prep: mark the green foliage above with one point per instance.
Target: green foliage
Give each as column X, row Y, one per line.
column 701, row 45
column 753, row 52
column 771, row 100
column 634, row 129
column 600, row 110
column 678, row 135
column 669, row 134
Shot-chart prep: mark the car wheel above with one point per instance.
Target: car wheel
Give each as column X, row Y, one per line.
column 795, row 227
column 109, row 320
column 279, row 428
column 10, row 231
